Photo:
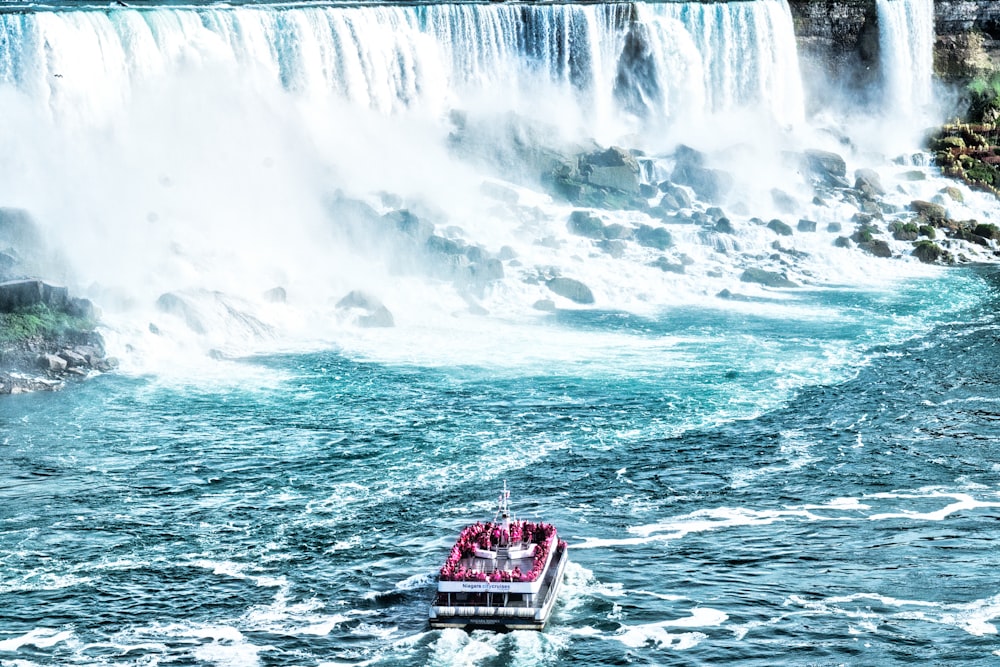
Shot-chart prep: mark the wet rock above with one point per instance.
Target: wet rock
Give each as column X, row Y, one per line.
column 834, row 227
column 614, row 248
column 779, row 228
column 784, row 202
column 806, row 225
column 868, row 182
column 933, row 212
column 724, row 226
column 928, row 252
column 52, row 362
column 614, row 168
column 174, row 304
column 653, row 237
column 876, row 247
column 826, row 167
column 545, row 305
column 574, row 290
column 374, row 314
column 667, row 266
column 766, row 278
column 585, row 224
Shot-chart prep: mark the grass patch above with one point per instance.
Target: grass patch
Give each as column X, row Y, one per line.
column 39, row 321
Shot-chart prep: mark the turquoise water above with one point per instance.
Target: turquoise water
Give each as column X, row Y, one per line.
column 819, row 487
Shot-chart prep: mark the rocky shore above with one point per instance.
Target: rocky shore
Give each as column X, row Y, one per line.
column 47, row 336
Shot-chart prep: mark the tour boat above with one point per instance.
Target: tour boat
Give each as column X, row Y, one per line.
column 503, row 575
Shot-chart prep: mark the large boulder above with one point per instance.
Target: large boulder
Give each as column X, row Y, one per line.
column 585, row 224
column 614, row 168
column 571, row 289
column 653, row 237
column 780, row 228
column 711, row 185
column 175, row 304
column 17, row 294
column 935, row 213
column 766, row 278
column 876, row 247
column 868, row 182
column 826, row 167
column 373, row 314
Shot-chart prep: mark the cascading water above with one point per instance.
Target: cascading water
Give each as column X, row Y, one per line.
column 906, row 42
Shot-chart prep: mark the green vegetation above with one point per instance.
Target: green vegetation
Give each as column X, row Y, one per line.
column 39, row 321
column 987, row 230
column 928, row 231
column 984, row 99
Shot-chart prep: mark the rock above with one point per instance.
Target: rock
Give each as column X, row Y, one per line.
column 407, row 223
column 711, row 185
column 724, row 226
column 380, row 317
column 779, row 228
column 376, row 315
column 614, row 168
column 440, row 245
column 499, row 192
column 828, row 168
column 52, row 363
column 73, row 359
column 17, row 294
column 954, row 193
column 928, row 252
column 913, row 175
column 987, row 231
column 82, row 308
column 487, row 270
column 653, row 237
column 784, row 201
column 806, row 225
column 618, row 232
column 545, row 305
column 276, row 295
column 766, row 278
column 933, row 212
column 904, row 231
column 667, row 266
column 678, row 195
column 506, row 254
column 574, row 290
column 834, row 227
column 842, row 242
column 867, row 181
column 876, row 247
column 174, row 304
column 584, row 224
column 729, row 296
column 612, row 247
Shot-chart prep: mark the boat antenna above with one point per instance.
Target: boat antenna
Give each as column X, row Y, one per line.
column 503, row 507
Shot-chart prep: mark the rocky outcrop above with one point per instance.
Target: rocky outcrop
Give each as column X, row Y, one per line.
column 373, row 313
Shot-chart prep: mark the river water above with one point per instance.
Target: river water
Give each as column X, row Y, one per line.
column 294, row 510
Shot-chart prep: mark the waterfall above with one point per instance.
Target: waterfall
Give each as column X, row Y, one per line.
column 906, row 37
column 82, row 63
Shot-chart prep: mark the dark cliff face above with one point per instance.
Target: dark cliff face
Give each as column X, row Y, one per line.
column 839, row 44
column 838, row 48
column 968, row 38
